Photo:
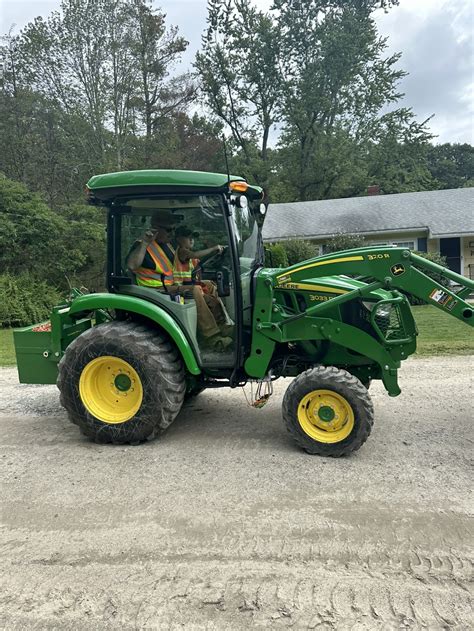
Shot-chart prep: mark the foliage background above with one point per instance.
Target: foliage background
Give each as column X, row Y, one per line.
column 306, row 94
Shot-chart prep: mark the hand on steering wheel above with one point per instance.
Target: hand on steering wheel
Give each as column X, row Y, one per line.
column 220, row 250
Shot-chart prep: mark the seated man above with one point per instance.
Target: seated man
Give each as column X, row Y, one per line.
column 152, row 258
column 186, row 260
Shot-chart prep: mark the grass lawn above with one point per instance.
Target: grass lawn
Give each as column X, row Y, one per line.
column 440, row 334
column 7, row 353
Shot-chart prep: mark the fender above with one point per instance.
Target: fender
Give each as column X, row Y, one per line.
column 92, row 302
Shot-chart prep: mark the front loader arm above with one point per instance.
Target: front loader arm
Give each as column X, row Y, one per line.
column 392, row 268
column 383, row 268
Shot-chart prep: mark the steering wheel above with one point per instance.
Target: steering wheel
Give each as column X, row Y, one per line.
column 205, row 259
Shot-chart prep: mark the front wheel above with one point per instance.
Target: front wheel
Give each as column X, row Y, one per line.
column 328, row 411
column 121, row 382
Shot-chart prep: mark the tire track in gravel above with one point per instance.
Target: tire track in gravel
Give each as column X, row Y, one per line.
column 276, row 596
column 223, row 524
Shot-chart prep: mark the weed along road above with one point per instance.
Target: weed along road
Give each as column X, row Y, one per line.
column 225, row 524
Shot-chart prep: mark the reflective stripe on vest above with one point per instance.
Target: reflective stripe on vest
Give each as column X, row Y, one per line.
column 183, row 271
column 163, row 267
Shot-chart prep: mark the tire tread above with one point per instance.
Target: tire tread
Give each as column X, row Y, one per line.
column 163, row 363
column 331, row 375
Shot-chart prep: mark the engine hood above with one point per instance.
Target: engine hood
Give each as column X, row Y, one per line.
column 336, row 285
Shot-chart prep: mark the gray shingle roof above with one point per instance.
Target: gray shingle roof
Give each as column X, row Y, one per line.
column 438, row 213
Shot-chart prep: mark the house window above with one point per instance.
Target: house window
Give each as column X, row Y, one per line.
column 422, row 244
column 410, row 245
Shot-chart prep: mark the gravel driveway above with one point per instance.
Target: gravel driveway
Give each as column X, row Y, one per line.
column 225, row 524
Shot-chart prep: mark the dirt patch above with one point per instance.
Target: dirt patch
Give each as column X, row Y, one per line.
column 225, row 524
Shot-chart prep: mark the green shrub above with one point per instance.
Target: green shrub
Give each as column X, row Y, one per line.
column 25, row 300
column 298, row 250
column 54, row 243
column 343, row 241
column 275, row 256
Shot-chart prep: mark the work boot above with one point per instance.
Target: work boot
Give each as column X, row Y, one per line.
column 218, row 343
column 227, row 330
column 223, row 343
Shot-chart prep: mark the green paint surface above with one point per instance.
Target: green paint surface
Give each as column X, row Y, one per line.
column 123, row 383
column 326, row 413
column 163, row 177
column 91, row 302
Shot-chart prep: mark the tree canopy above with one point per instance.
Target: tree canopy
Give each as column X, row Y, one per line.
column 305, row 93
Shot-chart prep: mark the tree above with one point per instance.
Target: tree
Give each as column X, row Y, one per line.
column 336, row 82
column 46, row 244
column 155, row 49
column 319, row 72
column 200, row 143
column 452, row 165
column 47, row 148
column 85, row 60
column 89, row 90
column 397, row 153
column 65, row 59
column 238, row 69
column 336, row 167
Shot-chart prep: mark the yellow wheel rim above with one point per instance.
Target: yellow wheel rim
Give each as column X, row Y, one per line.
column 325, row 416
column 110, row 389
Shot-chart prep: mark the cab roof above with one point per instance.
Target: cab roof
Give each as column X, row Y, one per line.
column 110, row 185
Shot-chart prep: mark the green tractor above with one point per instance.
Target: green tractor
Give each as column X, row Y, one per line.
column 126, row 360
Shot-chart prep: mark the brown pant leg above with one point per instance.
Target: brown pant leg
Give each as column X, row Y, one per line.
column 206, row 322
column 214, row 302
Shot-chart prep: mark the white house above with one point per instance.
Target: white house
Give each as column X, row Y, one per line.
column 429, row 221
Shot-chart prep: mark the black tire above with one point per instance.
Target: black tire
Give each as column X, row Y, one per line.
column 157, row 364
column 344, row 385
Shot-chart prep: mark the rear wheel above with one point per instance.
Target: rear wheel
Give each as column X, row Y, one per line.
column 328, row 411
column 121, row 383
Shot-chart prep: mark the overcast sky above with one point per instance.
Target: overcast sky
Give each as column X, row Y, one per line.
column 435, row 37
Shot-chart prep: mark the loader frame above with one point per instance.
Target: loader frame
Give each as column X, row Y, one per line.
column 394, row 269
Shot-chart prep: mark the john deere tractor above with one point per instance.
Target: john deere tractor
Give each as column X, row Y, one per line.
column 126, row 360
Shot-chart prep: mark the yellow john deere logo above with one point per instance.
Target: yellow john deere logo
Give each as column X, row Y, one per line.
column 397, row 269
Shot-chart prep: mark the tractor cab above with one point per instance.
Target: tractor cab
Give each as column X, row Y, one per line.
column 217, row 210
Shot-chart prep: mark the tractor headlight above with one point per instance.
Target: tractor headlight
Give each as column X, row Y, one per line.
column 382, row 317
column 381, row 312
column 384, row 311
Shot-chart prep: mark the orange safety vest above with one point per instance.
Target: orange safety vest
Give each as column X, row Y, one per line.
column 163, row 268
column 183, row 271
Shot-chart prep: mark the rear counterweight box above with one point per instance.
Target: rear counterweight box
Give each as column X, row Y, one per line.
column 39, row 347
column 33, row 355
